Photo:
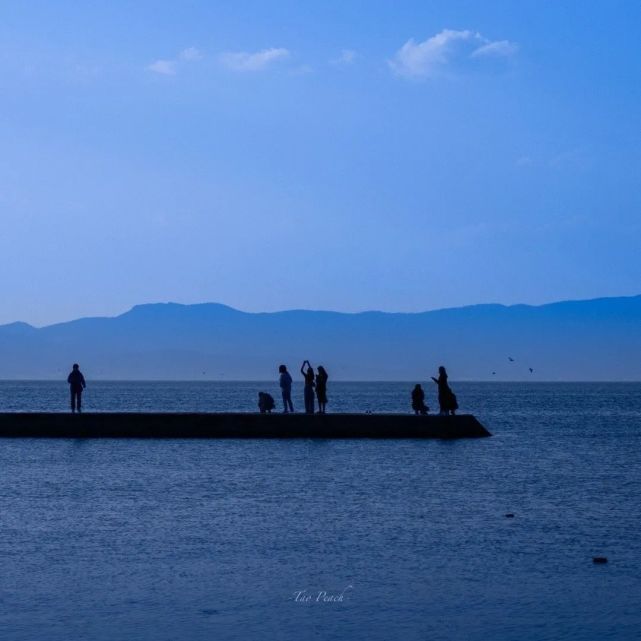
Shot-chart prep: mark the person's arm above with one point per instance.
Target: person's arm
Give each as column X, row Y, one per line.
column 302, row 370
column 435, row 380
column 82, row 381
column 69, row 379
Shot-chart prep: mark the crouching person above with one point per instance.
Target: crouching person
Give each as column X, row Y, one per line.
column 265, row 403
column 418, row 401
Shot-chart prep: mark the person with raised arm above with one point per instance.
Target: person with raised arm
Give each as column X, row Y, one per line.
column 308, row 392
column 446, row 398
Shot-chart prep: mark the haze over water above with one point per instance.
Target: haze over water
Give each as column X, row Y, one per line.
column 115, row 539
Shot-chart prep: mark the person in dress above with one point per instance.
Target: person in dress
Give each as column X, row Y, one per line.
column 446, row 398
column 76, row 385
column 308, row 392
column 285, row 382
column 418, row 400
column 321, row 388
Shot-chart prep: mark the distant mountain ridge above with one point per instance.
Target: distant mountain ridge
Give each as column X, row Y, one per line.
column 598, row 339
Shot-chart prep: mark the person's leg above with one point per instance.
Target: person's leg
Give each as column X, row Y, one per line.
column 287, row 401
column 73, row 401
column 79, row 401
column 284, row 394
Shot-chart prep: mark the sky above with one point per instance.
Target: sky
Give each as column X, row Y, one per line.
column 399, row 156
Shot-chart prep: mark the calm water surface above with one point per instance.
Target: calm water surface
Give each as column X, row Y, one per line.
column 204, row 540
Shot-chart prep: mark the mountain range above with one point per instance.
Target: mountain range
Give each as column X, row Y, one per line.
column 598, row 340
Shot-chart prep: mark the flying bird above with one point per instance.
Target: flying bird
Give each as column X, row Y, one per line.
column 509, row 358
column 531, row 370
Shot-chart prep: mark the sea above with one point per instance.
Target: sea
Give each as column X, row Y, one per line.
column 215, row 540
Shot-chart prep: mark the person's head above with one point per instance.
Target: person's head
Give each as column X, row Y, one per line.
column 441, row 370
column 76, row 366
column 282, row 369
column 321, row 370
column 417, row 386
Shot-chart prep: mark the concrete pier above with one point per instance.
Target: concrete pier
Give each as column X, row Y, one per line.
column 237, row 425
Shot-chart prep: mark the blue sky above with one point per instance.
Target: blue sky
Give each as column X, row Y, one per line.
column 344, row 155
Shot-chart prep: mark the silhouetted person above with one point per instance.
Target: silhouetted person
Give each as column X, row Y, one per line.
column 321, row 388
column 285, row 382
column 265, row 403
column 308, row 392
column 418, row 401
column 446, row 398
column 76, row 384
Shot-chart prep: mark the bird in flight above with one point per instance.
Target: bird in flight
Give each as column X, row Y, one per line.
column 531, row 370
column 509, row 358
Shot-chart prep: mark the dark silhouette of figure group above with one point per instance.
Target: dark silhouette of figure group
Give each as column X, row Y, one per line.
column 313, row 381
column 446, row 398
column 317, row 382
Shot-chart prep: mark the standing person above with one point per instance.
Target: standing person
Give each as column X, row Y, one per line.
column 446, row 398
column 76, row 384
column 321, row 388
column 418, row 401
column 308, row 394
column 285, row 382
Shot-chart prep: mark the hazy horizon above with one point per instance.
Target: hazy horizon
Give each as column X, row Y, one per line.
column 300, row 309
column 591, row 340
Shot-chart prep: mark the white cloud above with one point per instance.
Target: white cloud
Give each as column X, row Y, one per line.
column 347, row 57
column 497, row 48
column 428, row 58
column 244, row 61
column 170, row 67
column 164, row 67
column 191, row 54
